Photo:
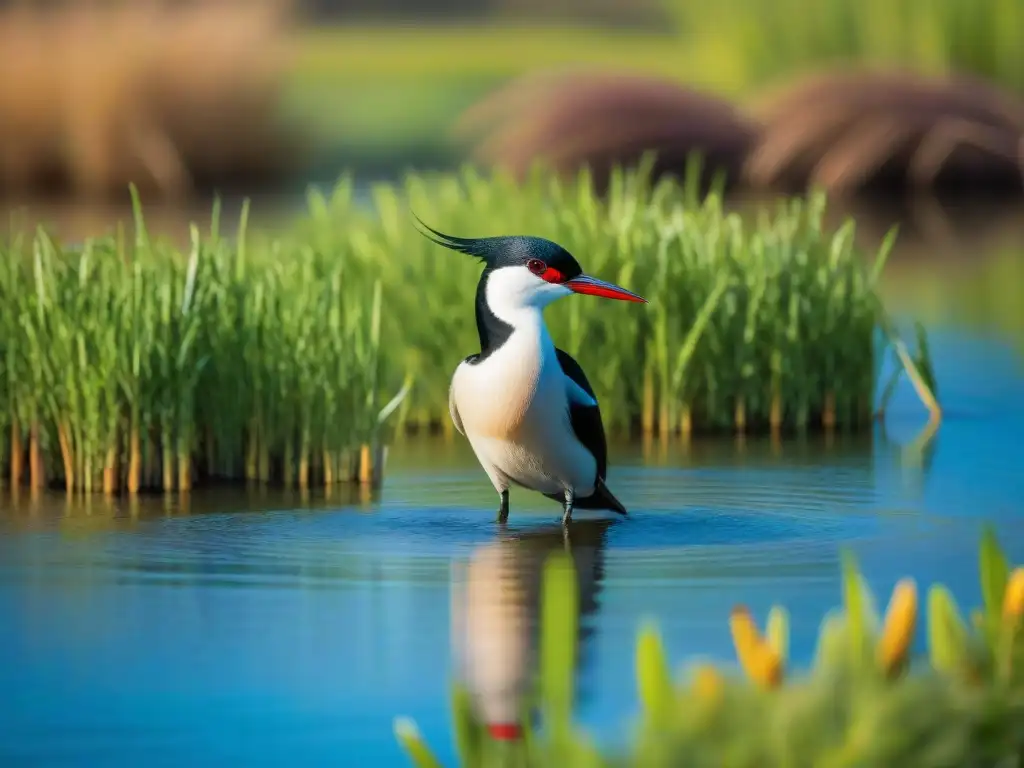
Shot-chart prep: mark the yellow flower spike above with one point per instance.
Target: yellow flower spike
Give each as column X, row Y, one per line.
column 708, row 684
column 1013, row 599
column 898, row 630
column 759, row 661
column 745, row 636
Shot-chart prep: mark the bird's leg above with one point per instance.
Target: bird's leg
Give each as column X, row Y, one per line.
column 503, row 507
column 570, row 497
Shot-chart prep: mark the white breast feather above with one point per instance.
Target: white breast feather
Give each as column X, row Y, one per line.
column 514, row 408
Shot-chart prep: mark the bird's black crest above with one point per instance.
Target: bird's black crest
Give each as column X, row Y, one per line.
column 506, row 250
column 487, row 249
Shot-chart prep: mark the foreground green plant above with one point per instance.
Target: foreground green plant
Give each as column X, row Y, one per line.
column 126, row 363
column 862, row 701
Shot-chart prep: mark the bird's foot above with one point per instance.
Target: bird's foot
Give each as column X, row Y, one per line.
column 503, row 508
column 570, row 497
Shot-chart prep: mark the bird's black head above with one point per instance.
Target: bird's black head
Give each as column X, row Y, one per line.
column 522, row 275
column 540, row 256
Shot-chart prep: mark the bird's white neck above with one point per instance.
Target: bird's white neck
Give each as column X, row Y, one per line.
column 528, row 319
column 529, row 335
column 529, row 345
column 518, row 299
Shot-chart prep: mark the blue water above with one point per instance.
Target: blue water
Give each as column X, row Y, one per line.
column 274, row 632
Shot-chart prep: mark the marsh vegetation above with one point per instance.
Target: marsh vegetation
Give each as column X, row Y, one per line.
column 129, row 363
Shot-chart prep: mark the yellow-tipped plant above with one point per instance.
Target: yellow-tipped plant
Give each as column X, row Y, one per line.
column 898, row 630
column 758, row 658
column 1012, row 648
column 848, row 637
column 988, row 646
column 708, row 684
column 777, row 631
column 1013, row 599
column 955, row 713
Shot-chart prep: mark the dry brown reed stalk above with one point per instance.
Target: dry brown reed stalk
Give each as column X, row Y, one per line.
column 847, row 130
column 95, row 96
column 577, row 118
column 37, row 470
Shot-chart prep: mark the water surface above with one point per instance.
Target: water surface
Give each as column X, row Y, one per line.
column 271, row 630
column 266, row 630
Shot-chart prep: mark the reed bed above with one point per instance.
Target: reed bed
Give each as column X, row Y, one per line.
column 768, row 323
column 168, row 97
column 126, row 364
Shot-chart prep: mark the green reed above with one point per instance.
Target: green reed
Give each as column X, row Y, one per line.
column 752, row 325
column 127, row 362
column 978, row 37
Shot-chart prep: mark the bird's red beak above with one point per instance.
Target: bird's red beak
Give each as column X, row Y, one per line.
column 594, row 287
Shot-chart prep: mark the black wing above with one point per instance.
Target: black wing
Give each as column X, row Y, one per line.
column 585, row 420
column 589, row 429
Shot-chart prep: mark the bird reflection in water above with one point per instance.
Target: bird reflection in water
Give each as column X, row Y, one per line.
column 496, row 603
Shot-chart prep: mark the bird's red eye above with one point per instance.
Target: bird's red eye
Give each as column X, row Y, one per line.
column 536, row 266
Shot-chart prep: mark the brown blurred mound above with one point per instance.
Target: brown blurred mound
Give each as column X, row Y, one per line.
column 847, row 131
column 172, row 98
column 576, row 119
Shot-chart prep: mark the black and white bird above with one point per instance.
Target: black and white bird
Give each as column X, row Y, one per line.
column 526, row 406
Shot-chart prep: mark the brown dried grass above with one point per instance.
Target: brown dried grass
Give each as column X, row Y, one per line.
column 847, row 131
column 574, row 119
column 94, row 96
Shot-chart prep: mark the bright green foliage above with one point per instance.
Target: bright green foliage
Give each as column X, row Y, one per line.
column 947, row 633
column 964, row 708
column 255, row 356
column 749, row 318
column 558, row 647
column 264, row 355
column 654, row 678
column 994, row 573
column 778, row 631
column 409, row 736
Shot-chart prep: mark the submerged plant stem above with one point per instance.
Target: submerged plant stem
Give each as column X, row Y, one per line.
column 110, row 469
column 67, row 457
column 16, row 453
column 167, row 455
column 134, row 459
